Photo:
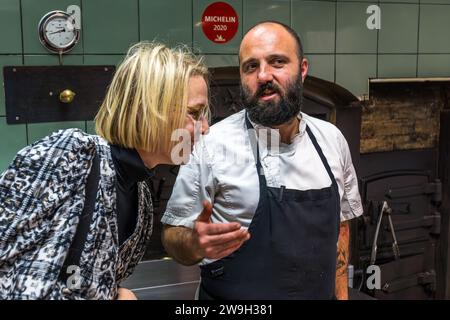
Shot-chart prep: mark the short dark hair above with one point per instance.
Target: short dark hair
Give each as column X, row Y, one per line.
column 288, row 29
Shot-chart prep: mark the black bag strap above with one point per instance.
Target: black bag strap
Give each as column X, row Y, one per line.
column 76, row 248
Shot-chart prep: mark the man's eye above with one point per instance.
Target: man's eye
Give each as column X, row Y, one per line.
column 250, row 67
column 278, row 62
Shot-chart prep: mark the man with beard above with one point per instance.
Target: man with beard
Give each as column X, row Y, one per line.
column 262, row 201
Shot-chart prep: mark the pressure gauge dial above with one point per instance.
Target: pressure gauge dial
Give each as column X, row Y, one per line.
column 58, row 32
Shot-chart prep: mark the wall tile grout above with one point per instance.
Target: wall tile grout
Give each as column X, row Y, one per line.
column 335, row 40
column 21, row 30
column 418, row 40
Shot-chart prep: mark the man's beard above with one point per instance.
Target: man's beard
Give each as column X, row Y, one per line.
column 274, row 113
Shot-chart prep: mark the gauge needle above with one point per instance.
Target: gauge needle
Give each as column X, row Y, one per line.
column 61, row 30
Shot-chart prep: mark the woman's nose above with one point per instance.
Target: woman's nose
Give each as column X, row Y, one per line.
column 204, row 126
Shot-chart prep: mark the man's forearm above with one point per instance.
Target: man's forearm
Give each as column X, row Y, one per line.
column 179, row 244
column 342, row 261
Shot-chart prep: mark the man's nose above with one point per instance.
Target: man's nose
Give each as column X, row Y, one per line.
column 265, row 74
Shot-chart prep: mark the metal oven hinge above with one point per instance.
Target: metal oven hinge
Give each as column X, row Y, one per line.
column 434, row 189
column 434, row 222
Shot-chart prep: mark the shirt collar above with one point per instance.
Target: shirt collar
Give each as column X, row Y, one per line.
column 301, row 126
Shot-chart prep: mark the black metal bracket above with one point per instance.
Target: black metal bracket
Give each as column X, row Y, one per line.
column 36, row 93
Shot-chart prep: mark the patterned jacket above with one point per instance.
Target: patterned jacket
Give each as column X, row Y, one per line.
column 41, row 198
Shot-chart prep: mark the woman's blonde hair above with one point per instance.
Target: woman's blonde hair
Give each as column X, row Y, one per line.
column 147, row 98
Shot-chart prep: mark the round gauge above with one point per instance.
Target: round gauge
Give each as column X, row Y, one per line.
column 58, row 32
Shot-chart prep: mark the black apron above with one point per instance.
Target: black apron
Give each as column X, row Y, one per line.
column 292, row 250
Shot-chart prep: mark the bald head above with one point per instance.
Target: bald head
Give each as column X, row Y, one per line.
column 272, row 29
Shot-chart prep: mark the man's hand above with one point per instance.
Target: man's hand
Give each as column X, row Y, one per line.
column 205, row 240
column 125, row 294
column 216, row 240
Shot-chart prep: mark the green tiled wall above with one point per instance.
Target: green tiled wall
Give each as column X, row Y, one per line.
column 100, row 59
column 90, row 127
column 352, row 34
column 10, row 28
column 397, row 65
column 38, row 131
column 49, row 60
column 109, row 26
column 315, row 22
column 321, row 66
column 353, row 70
column 169, row 21
column 255, row 11
column 433, row 65
column 398, row 33
column 434, row 29
column 221, row 60
column 413, row 41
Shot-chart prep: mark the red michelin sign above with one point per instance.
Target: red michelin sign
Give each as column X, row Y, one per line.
column 220, row 22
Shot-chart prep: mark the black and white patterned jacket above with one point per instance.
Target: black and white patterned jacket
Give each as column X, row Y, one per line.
column 41, row 198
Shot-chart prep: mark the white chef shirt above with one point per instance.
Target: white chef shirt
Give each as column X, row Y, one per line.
column 222, row 170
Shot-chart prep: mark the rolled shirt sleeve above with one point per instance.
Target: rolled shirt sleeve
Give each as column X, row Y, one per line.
column 351, row 206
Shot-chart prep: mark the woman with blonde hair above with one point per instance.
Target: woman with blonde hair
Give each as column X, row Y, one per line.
column 75, row 209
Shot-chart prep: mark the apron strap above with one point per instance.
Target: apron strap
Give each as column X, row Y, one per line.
column 321, row 155
column 254, row 144
column 330, row 173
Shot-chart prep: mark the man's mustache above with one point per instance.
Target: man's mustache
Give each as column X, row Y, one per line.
column 267, row 86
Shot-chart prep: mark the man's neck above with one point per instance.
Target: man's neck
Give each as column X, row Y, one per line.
column 288, row 130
